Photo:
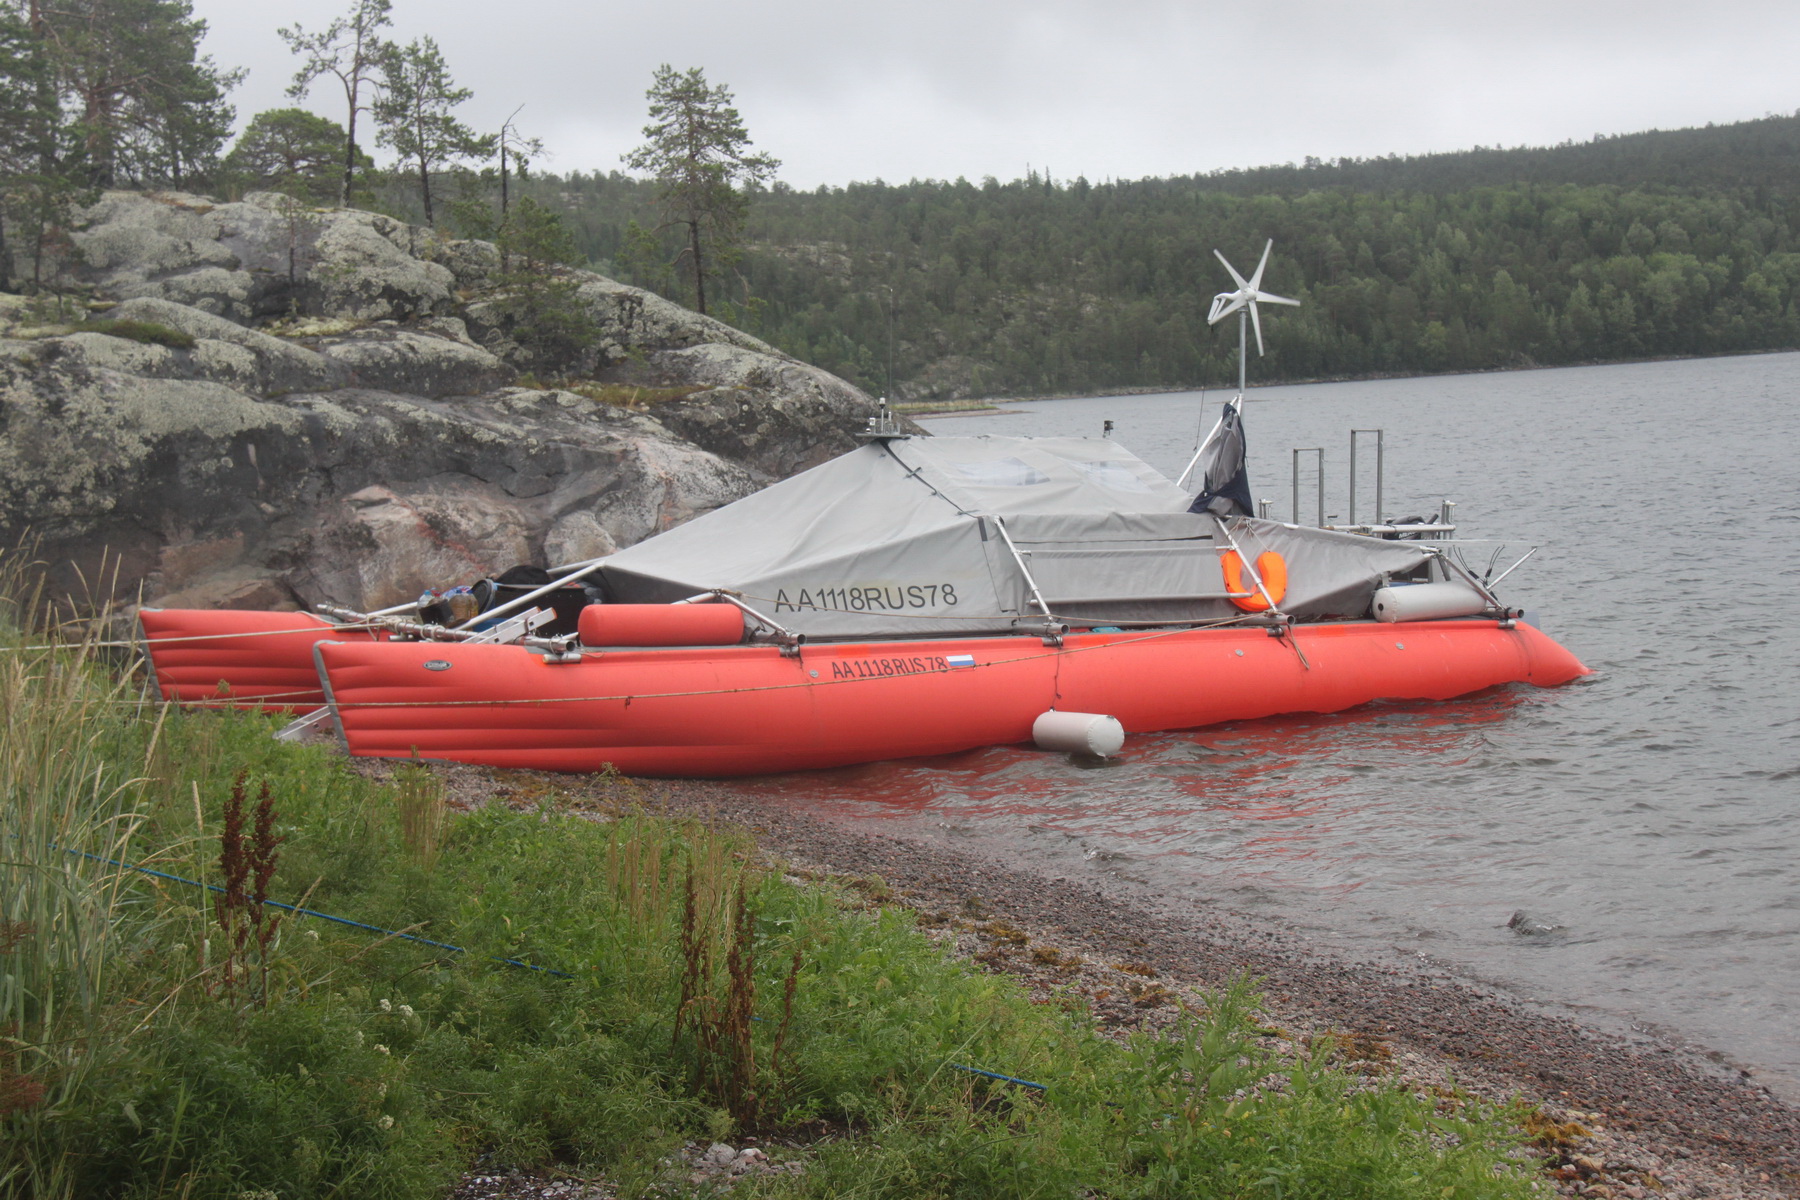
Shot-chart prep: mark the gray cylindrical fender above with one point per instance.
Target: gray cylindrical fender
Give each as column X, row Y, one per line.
column 1428, row 602
column 1078, row 733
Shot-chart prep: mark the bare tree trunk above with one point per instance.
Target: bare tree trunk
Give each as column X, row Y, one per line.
column 350, row 153
column 699, row 272
column 97, row 114
column 425, row 190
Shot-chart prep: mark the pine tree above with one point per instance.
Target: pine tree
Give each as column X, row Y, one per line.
column 22, row 71
column 289, row 150
column 697, row 155
column 415, row 117
column 151, row 105
column 42, row 173
column 542, row 307
column 351, row 49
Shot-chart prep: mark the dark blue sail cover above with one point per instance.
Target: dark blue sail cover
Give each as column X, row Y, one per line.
column 1224, row 480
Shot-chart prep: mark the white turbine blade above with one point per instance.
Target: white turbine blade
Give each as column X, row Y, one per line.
column 1256, row 279
column 1235, row 277
column 1257, row 322
column 1271, row 298
column 1224, row 304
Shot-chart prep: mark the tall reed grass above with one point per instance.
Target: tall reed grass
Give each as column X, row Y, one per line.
column 67, row 813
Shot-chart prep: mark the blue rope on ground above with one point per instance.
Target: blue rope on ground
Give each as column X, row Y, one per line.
column 511, row 962
column 1042, row 1087
column 307, row 912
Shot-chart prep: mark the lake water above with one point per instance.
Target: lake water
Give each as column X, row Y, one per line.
column 1652, row 810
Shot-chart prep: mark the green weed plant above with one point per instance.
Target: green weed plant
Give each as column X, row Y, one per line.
column 147, row 332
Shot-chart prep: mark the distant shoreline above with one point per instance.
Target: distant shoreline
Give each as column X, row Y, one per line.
column 978, row 405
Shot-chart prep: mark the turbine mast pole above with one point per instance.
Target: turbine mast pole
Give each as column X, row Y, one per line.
column 1243, row 316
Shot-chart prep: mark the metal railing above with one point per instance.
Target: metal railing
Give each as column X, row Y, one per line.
column 1380, row 470
column 1320, row 463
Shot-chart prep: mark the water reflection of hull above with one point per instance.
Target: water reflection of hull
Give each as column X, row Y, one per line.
column 740, row 710
column 1292, row 767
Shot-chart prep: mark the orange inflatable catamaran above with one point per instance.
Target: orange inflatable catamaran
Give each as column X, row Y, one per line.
column 916, row 596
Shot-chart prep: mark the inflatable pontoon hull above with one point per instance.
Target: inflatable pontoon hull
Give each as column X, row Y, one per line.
column 239, row 658
column 743, row 710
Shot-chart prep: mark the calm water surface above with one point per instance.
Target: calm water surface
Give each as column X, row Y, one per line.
column 1652, row 810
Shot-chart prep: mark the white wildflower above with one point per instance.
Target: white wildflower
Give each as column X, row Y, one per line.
column 381, row 1049
column 386, row 1007
column 386, row 1122
column 406, row 1010
column 313, row 934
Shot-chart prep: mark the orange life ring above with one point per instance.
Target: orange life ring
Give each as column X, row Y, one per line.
column 1270, row 566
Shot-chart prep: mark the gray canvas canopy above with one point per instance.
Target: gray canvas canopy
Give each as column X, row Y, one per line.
column 909, row 537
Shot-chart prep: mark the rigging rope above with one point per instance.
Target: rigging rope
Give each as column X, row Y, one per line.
column 1059, row 651
column 139, row 643
column 307, row 912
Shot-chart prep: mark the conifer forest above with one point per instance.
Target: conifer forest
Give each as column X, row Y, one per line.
column 1664, row 243
column 1683, row 243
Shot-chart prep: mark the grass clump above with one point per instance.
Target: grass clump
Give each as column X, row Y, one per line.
column 161, row 1040
column 147, row 332
column 619, row 395
column 622, row 395
column 300, row 328
column 916, row 408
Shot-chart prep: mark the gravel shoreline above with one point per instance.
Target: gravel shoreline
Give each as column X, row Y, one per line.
column 1628, row 1119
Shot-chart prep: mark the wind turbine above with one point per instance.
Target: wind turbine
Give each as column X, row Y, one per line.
column 1226, row 438
column 1245, row 300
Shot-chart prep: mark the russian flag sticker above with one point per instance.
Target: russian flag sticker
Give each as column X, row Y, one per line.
column 960, row 660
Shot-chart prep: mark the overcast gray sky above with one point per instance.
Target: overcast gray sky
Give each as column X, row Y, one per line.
column 849, row 90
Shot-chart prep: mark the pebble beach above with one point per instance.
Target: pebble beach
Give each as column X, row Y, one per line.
column 1618, row 1116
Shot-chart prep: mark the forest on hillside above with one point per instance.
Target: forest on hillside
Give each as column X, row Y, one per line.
column 1044, row 286
column 1675, row 242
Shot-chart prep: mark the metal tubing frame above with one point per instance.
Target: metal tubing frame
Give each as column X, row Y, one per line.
column 1195, row 461
column 783, row 634
column 1298, row 451
column 1380, row 465
column 1170, row 599
column 1037, row 596
column 528, row 597
column 1495, row 581
column 581, row 570
column 1383, row 530
column 519, row 626
column 1469, row 577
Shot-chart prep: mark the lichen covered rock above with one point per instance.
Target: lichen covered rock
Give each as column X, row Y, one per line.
column 346, row 425
column 418, row 361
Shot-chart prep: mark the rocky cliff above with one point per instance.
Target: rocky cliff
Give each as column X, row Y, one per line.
column 269, row 405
